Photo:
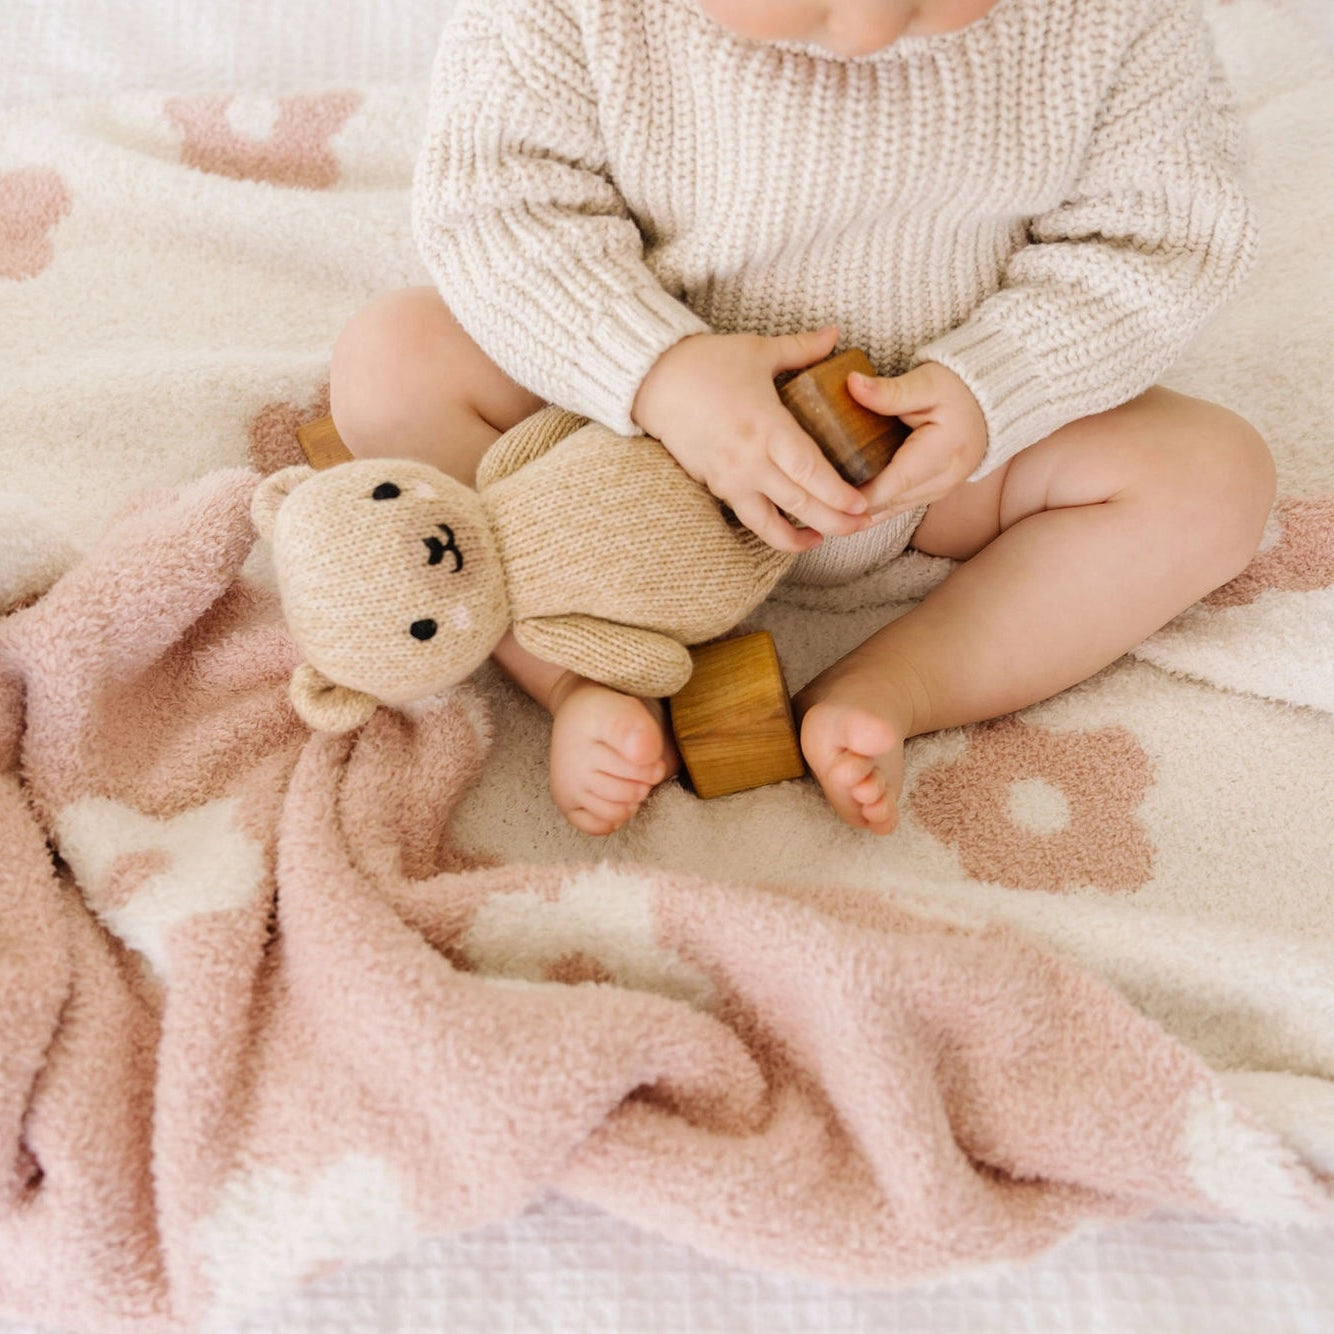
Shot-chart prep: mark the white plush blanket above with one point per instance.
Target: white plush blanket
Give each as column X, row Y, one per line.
column 173, row 270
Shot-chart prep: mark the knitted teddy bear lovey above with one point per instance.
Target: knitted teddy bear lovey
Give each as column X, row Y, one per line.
column 602, row 554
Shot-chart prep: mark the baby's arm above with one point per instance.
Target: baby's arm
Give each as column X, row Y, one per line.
column 516, row 216
column 1117, row 279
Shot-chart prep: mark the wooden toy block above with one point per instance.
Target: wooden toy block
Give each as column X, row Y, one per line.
column 733, row 719
column 857, row 441
column 321, row 443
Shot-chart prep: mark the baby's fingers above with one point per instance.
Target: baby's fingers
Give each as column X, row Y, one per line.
column 903, row 395
column 812, row 483
column 764, row 520
column 796, row 503
column 916, row 475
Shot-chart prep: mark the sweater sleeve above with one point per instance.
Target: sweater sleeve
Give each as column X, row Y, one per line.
column 519, row 222
column 1115, row 281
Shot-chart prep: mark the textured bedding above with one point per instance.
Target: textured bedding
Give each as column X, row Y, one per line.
column 1164, row 828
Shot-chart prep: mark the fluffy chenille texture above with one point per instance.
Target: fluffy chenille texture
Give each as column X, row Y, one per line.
column 261, row 1014
column 1047, row 201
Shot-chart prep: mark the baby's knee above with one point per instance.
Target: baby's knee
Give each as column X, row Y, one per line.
column 1230, row 476
column 1247, row 478
column 387, row 370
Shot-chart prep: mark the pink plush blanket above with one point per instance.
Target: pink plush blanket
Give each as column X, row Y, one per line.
column 261, row 1015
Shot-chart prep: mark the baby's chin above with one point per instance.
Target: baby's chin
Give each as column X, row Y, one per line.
column 808, row 27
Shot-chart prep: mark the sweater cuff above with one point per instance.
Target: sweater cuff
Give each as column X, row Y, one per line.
column 622, row 348
column 1019, row 405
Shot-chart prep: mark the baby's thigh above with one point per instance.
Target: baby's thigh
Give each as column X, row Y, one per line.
column 1166, row 451
column 1184, row 458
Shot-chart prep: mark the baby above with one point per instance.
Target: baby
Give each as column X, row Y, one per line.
column 644, row 210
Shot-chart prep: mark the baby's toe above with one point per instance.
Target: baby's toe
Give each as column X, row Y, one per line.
column 588, row 823
column 597, row 815
column 614, row 765
column 849, row 771
column 838, row 778
column 868, row 735
column 626, row 791
column 635, row 736
column 881, row 816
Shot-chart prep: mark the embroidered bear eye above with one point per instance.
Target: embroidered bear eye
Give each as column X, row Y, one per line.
column 424, row 629
column 386, row 491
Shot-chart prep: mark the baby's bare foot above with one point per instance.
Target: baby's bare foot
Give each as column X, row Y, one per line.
column 855, row 750
column 608, row 752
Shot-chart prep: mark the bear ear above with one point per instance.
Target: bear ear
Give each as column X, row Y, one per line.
column 325, row 706
column 271, row 493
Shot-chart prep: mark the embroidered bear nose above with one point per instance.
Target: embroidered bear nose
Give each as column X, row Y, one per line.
column 439, row 550
column 423, row 629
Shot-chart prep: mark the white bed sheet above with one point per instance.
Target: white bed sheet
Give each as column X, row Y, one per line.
column 563, row 1266
column 96, row 48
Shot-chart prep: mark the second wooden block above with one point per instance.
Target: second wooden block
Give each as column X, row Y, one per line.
column 733, row 719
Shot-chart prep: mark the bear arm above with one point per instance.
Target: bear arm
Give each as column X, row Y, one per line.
column 523, row 443
column 625, row 657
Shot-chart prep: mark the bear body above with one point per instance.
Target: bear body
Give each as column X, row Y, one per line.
column 610, row 527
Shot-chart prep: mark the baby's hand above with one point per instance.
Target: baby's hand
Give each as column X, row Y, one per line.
column 711, row 400
column 949, row 435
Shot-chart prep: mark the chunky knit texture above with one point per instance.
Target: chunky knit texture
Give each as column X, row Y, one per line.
column 1047, row 201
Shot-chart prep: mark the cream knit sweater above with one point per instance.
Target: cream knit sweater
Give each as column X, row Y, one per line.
column 1047, row 201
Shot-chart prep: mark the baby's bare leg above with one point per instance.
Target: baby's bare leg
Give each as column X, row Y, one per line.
column 407, row 382
column 1082, row 546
